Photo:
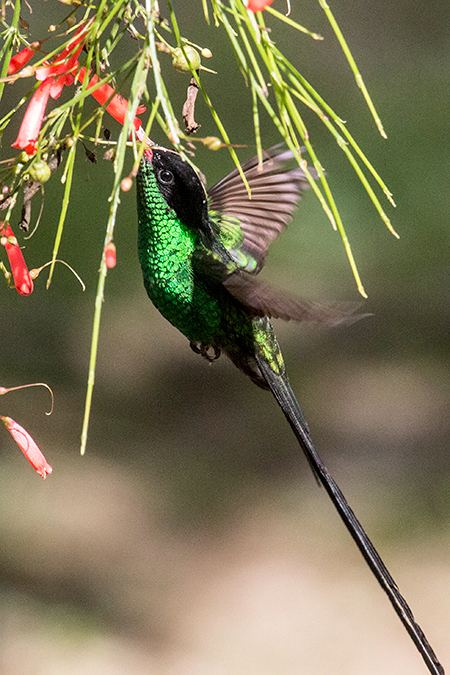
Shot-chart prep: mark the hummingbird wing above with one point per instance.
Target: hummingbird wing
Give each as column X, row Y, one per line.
column 262, row 300
column 245, row 228
column 217, row 266
column 256, row 222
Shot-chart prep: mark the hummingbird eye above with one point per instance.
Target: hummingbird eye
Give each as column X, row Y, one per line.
column 165, row 176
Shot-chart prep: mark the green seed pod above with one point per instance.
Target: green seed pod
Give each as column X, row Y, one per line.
column 179, row 62
column 39, row 171
column 213, row 143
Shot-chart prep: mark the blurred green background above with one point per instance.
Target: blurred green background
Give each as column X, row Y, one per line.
column 191, row 538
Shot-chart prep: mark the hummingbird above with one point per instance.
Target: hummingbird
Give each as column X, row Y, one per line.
column 200, row 252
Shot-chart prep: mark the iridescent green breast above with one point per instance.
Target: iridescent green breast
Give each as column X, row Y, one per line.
column 165, row 247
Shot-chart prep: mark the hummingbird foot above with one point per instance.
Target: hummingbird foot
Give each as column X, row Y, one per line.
column 204, row 350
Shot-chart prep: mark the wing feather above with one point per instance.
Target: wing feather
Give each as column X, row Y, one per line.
column 275, row 192
column 262, row 300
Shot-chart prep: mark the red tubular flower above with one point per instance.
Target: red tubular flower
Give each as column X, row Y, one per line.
column 118, row 105
column 28, row 447
column 258, row 5
column 32, row 121
column 22, row 280
column 19, row 60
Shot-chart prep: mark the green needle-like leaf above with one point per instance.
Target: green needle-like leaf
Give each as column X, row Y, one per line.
column 353, row 66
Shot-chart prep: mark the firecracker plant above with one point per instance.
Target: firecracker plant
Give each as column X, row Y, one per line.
column 72, row 62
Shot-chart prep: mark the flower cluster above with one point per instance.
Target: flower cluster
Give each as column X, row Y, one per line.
column 53, row 76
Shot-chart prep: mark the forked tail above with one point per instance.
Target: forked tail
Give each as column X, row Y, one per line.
column 282, row 391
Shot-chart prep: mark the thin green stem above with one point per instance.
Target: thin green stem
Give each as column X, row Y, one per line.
column 94, row 345
column 344, row 147
column 9, row 43
column 353, row 66
column 259, row 149
column 143, row 143
column 151, row 8
column 67, row 178
column 137, row 88
column 292, row 23
column 304, row 86
column 250, row 52
column 208, row 102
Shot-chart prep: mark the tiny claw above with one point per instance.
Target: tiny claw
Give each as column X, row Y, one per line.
column 203, row 350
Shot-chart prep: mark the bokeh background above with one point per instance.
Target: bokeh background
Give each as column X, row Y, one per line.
column 192, row 539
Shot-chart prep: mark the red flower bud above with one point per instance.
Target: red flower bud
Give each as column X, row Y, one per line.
column 19, row 60
column 126, row 184
column 258, row 5
column 19, row 269
column 110, row 255
column 28, row 446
